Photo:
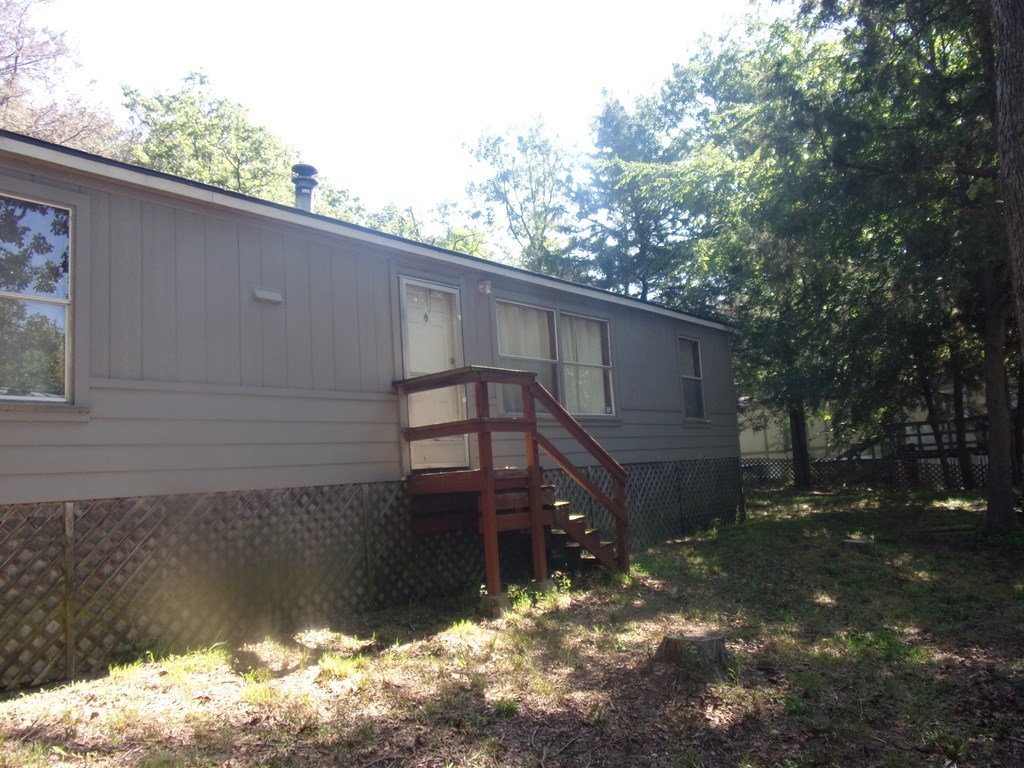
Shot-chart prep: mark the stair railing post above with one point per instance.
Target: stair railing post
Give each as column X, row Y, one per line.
column 488, row 496
column 621, row 528
column 539, row 546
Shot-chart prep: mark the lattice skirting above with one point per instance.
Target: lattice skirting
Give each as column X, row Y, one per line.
column 665, row 499
column 910, row 474
column 85, row 584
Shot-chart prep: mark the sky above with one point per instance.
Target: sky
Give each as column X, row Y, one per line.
column 383, row 97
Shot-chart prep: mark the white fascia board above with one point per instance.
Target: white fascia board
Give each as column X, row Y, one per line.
column 116, row 171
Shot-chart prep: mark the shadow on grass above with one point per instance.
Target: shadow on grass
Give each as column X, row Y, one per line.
column 902, row 650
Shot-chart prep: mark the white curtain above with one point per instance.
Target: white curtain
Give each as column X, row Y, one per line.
column 584, row 348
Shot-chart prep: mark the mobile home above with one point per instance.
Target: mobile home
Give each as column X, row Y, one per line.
column 217, row 414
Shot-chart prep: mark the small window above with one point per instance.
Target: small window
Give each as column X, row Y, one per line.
column 692, row 378
column 35, row 300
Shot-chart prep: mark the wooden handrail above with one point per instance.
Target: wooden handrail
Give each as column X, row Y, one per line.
column 465, row 375
column 577, row 432
column 581, row 480
column 482, row 425
column 466, row 427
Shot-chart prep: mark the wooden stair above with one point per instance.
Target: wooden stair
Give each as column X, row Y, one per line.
column 447, row 501
column 581, row 539
column 510, row 499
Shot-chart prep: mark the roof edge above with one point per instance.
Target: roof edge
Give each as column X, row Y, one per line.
column 30, row 148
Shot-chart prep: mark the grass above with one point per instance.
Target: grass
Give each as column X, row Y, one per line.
column 903, row 652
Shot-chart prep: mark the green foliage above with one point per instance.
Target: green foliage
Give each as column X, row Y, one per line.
column 530, row 185
column 257, row 689
column 202, row 661
column 826, row 183
column 506, row 707
column 642, row 215
column 337, row 203
column 453, row 235
column 197, row 135
column 194, row 134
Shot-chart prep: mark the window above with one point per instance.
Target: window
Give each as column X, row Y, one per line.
column 693, row 382
column 570, row 355
column 35, row 300
column 586, row 364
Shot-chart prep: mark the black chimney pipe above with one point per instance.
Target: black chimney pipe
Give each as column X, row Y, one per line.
column 305, row 182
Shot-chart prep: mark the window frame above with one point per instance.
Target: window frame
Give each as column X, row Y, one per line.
column 558, row 362
column 74, row 405
column 606, row 368
column 698, row 378
column 27, row 297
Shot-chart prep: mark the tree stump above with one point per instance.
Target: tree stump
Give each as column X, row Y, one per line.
column 702, row 655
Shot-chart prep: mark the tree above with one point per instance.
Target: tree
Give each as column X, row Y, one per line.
column 934, row 64
column 639, row 207
column 1009, row 34
column 404, row 222
column 32, row 62
column 337, row 203
column 193, row 134
column 853, row 208
column 531, row 184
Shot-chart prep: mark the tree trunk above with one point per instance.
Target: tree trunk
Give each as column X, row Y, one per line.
column 963, row 456
column 1018, row 428
column 801, row 454
column 1000, row 516
column 935, row 423
column 1009, row 30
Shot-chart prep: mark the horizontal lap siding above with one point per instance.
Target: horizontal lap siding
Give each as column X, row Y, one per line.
column 636, row 438
column 149, row 441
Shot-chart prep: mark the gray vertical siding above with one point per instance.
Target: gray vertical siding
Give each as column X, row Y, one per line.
column 172, row 301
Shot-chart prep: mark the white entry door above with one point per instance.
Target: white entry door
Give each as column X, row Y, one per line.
column 432, row 342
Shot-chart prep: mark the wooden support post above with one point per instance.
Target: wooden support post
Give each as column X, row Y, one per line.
column 70, row 640
column 621, row 529
column 540, row 554
column 488, row 498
